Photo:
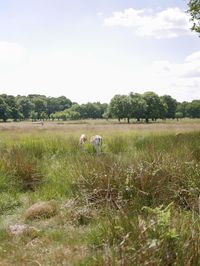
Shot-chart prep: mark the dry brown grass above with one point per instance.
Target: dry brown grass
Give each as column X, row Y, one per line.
column 101, row 126
column 41, row 210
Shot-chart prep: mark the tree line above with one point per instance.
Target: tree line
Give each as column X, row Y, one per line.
column 151, row 106
column 147, row 106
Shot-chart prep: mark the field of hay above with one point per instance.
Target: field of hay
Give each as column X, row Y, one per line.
column 135, row 204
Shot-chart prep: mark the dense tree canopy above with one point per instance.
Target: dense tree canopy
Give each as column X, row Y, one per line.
column 139, row 106
column 4, row 109
column 156, row 108
column 117, row 106
column 25, row 106
column 193, row 109
column 171, row 105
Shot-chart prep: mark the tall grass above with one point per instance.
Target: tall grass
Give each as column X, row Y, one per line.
column 135, row 204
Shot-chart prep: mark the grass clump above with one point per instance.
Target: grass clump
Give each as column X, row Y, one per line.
column 22, row 167
column 41, row 210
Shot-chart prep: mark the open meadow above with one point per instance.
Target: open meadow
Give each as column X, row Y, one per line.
column 137, row 203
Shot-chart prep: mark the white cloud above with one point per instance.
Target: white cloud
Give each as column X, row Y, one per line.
column 190, row 68
column 168, row 23
column 181, row 80
column 194, row 57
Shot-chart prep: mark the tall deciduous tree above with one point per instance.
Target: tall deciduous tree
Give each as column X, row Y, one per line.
column 193, row 109
column 14, row 112
column 92, row 110
column 182, row 107
column 57, row 104
column 25, row 106
column 40, row 106
column 63, row 103
column 4, row 110
column 171, row 106
column 117, row 107
column 155, row 106
column 127, row 107
column 139, row 106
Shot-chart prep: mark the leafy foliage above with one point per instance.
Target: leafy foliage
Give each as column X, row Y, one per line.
column 194, row 10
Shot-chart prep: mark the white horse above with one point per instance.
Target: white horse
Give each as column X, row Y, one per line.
column 96, row 141
column 82, row 140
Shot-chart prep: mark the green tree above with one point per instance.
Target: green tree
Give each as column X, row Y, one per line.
column 14, row 112
column 52, row 106
column 43, row 116
column 178, row 115
column 81, row 109
column 182, row 107
column 117, row 107
column 171, row 106
column 52, row 116
column 57, row 104
column 92, row 110
column 63, row 103
column 156, row 108
column 103, row 107
column 4, row 110
column 34, row 115
column 193, row 109
column 67, row 114
column 127, row 107
column 139, row 106
column 40, row 106
column 25, row 106
column 60, row 115
column 194, row 10
column 121, row 107
column 107, row 114
column 72, row 115
column 88, row 110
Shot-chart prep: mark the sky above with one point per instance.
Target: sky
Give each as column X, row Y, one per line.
column 91, row 50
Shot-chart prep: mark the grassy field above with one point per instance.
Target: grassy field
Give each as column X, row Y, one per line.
column 135, row 204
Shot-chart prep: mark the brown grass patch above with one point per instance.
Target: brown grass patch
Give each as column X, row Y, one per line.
column 41, row 210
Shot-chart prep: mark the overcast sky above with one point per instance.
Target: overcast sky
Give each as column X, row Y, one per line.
column 90, row 50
